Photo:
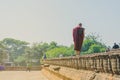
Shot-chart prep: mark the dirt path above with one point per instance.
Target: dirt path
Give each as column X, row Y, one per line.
column 22, row 75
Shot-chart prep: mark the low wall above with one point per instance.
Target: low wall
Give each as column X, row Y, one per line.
column 99, row 65
column 22, row 68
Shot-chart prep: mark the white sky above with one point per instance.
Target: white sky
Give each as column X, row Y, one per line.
column 53, row 20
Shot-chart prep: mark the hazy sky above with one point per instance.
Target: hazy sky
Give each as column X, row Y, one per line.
column 53, row 20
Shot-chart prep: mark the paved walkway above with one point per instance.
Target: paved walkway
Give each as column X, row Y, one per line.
column 22, row 75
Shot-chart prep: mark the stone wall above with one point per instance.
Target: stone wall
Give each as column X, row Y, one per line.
column 99, row 65
column 21, row 68
column 65, row 73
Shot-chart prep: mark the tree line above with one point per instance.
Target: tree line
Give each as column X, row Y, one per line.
column 21, row 52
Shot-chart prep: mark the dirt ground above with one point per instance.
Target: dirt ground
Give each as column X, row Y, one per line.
column 22, row 75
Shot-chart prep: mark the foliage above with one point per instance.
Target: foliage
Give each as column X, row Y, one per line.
column 56, row 52
column 92, row 44
column 95, row 48
column 20, row 60
column 15, row 47
column 3, row 55
column 21, row 52
column 3, row 52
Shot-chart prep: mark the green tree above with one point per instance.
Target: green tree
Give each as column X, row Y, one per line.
column 3, row 52
column 3, row 55
column 61, row 50
column 93, row 44
column 95, row 48
column 15, row 47
column 52, row 45
column 38, row 49
column 20, row 60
